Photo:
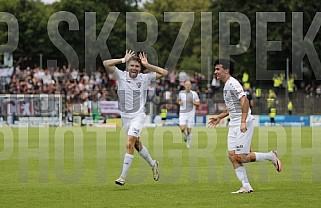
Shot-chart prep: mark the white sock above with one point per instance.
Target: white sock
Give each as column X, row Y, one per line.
column 242, row 176
column 263, row 156
column 145, row 154
column 189, row 139
column 128, row 159
column 189, row 136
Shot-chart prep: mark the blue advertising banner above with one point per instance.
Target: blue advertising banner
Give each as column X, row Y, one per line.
column 200, row 120
column 172, row 120
column 283, row 120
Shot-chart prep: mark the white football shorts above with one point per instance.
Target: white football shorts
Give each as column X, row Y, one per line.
column 186, row 119
column 134, row 125
column 238, row 141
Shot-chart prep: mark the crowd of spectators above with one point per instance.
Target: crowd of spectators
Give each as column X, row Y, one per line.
column 75, row 85
column 80, row 86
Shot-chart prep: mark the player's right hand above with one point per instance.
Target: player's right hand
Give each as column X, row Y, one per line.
column 129, row 54
column 213, row 122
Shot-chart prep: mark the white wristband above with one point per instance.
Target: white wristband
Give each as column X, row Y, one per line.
column 123, row 60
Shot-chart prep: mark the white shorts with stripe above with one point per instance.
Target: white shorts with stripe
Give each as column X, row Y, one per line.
column 238, row 141
column 134, row 125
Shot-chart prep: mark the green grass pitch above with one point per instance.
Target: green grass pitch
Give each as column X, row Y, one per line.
column 76, row 167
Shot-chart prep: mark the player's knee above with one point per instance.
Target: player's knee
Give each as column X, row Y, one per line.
column 231, row 156
column 130, row 145
column 137, row 146
column 237, row 158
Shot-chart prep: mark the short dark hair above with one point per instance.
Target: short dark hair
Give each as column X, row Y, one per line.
column 135, row 58
column 226, row 64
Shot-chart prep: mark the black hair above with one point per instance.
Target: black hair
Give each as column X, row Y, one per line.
column 226, row 64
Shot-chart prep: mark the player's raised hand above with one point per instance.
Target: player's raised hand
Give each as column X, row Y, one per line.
column 213, row 122
column 143, row 58
column 129, row 54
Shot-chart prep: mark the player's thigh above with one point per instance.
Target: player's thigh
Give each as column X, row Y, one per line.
column 191, row 121
column 243, row 140
column 136, row 125
column 125, row 124
column 231, row 138
column 182, row 120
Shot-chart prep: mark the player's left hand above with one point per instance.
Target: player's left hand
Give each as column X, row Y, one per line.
column 243, row 127
column 143, row 58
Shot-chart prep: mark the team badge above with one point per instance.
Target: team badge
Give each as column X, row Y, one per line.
column 139, row 84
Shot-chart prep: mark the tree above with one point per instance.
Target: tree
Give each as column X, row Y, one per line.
column 278, row 31
column 32, row 18
column 169, row 31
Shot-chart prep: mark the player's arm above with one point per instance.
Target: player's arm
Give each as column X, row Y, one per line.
column 197, row 103
column 245, row 108
column 196, row 100
column 179, row 100
column 223, row 114
column 109, row 64
column 216, row 119
column 160, row 72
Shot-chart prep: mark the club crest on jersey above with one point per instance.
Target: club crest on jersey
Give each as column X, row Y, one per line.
column 139, row 84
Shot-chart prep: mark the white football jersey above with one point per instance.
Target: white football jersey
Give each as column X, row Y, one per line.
column 132, row 93
column 188, row 98
column 233, row 91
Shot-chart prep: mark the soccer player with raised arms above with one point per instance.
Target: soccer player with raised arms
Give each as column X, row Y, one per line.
column 132, row 94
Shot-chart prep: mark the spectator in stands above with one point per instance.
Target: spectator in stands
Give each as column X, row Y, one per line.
column 172, row 78
column 290, row 107
column 245, row 77
column 26, row 107
column 104, row 96
column 277, row 83
column 318, row 91
column 272, row 114
column 270, row 101
column 291, row 86
column 215, row 85
column 309, row 89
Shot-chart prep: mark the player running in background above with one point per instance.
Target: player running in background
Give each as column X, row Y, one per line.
column 240, row 127
column 132, row 95
column 188, row 100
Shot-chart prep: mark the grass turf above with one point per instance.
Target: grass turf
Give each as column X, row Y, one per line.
column 76, row 167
